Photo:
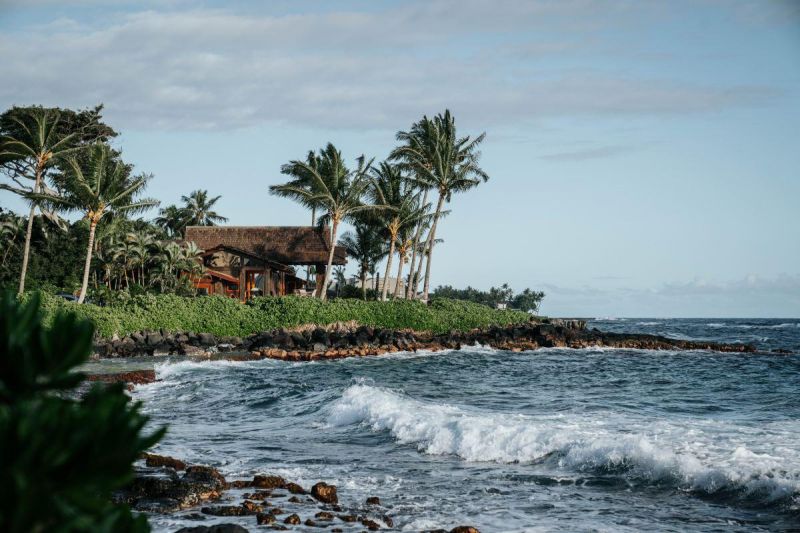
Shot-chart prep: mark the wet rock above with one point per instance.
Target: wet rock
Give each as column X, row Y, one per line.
column 265, row 519
column 324, row 515
column 373, row 500
column 294, row 488
column 253, row 507
column 137, row 377
column 349, row 518
column 268, row 482
column 325, row 493
column 154, row 460
column 464, row 529
column 310, row 523
column 207, row 339
column 257, row 495
column 276, row 511
column 225, row 510
column 388, row 521
column 292, row 519
column 280, row 527
column 294, row 499
column 370, row 524
column 217, row 528
column 163, row 490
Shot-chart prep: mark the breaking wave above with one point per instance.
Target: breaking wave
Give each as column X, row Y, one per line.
column 660, row 455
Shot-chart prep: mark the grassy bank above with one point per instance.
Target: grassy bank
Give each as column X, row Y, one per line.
column 224, row 316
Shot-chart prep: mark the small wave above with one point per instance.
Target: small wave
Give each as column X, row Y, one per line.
column 784, row 325
column 648, row 323
column 169, row 368
column 565, row 443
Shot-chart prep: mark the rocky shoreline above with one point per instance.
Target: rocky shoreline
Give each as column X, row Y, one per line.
column 346, row 340
column 165, row 485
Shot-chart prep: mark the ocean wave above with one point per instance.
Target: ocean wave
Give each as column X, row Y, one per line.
column 784, row 325
column 673, row 456
column 168, row 368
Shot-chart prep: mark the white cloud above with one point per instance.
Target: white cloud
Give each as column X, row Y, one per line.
column 215, row 68
column 750, row 296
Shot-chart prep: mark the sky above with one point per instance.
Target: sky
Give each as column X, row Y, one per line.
column 644, row 156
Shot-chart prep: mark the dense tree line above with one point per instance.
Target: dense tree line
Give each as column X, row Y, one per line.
column 61, row 161
column 527, row 300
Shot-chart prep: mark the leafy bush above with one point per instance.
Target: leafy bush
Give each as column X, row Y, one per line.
column 527, row 300
column 61, row 456
column 226, row 316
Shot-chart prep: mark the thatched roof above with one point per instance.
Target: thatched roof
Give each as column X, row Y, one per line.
column 291, row 245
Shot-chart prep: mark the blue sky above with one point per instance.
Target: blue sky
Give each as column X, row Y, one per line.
column 643, row 155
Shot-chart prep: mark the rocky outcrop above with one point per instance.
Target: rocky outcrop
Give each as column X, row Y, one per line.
column 329, row 343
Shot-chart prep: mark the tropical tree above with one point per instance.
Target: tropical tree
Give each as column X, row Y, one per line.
column 334, row 188
column 367, row 247
column 32, row 148
column 96, row 186
column 198, row 209
column 172, row 220
column 402, row 211
column 441, row 161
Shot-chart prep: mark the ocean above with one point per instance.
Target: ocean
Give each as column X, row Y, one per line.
column 546, row 440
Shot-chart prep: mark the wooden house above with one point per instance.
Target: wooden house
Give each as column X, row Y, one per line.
column 247, row 261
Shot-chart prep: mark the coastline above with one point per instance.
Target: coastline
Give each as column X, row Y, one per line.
column 348, row 340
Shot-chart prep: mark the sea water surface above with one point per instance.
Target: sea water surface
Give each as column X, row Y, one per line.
column 546, row 440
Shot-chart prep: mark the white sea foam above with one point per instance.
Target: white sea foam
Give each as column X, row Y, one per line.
column 700, row 455
column 784, row 325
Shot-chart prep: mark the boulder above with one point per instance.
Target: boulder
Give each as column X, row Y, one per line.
column 292, row 519
column 217, row 528
column 294, row 488
column 464, row 529
column 268, row 482
column 324, row 493
column 151, row 459
column 373, row 500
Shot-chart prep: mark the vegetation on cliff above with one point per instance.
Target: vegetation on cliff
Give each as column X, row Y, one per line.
column 224, row 316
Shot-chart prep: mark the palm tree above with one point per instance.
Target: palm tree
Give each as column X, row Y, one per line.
column 331, row 186
column 198, row 209
column 367, row 247
column 402, row 210
column 172, row 220
column 36, row 148
column 439, row 160
column 341, row 279
column 96, row 186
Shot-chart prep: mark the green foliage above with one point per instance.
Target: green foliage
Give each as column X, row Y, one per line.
column 61, row 456
column 527, row 300
column 227, row 316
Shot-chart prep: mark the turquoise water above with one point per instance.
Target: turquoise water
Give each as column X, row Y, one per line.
column 548, row 440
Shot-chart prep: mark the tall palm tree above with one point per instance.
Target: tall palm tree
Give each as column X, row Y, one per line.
column 98, row 185
column 392, row 190
column 198, row 209
column 36, row 147
column 441, row 161
column 172, row 220
column 331, row 186
column 367, row 247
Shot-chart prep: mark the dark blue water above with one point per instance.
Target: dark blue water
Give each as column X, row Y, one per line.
column 548, row 440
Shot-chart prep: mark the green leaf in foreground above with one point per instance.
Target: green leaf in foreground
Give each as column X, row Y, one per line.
column 61, row 455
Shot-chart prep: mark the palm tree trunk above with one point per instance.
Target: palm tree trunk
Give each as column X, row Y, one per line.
column 364, row 283
column 431, row 242
column 385, row 288
column 88, row 264
column 334, row 229
column 417, row 235
column 26, row 250
column 399, row 275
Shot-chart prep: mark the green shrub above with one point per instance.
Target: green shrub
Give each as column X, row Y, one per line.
column 226, row 316
column 61, row 456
